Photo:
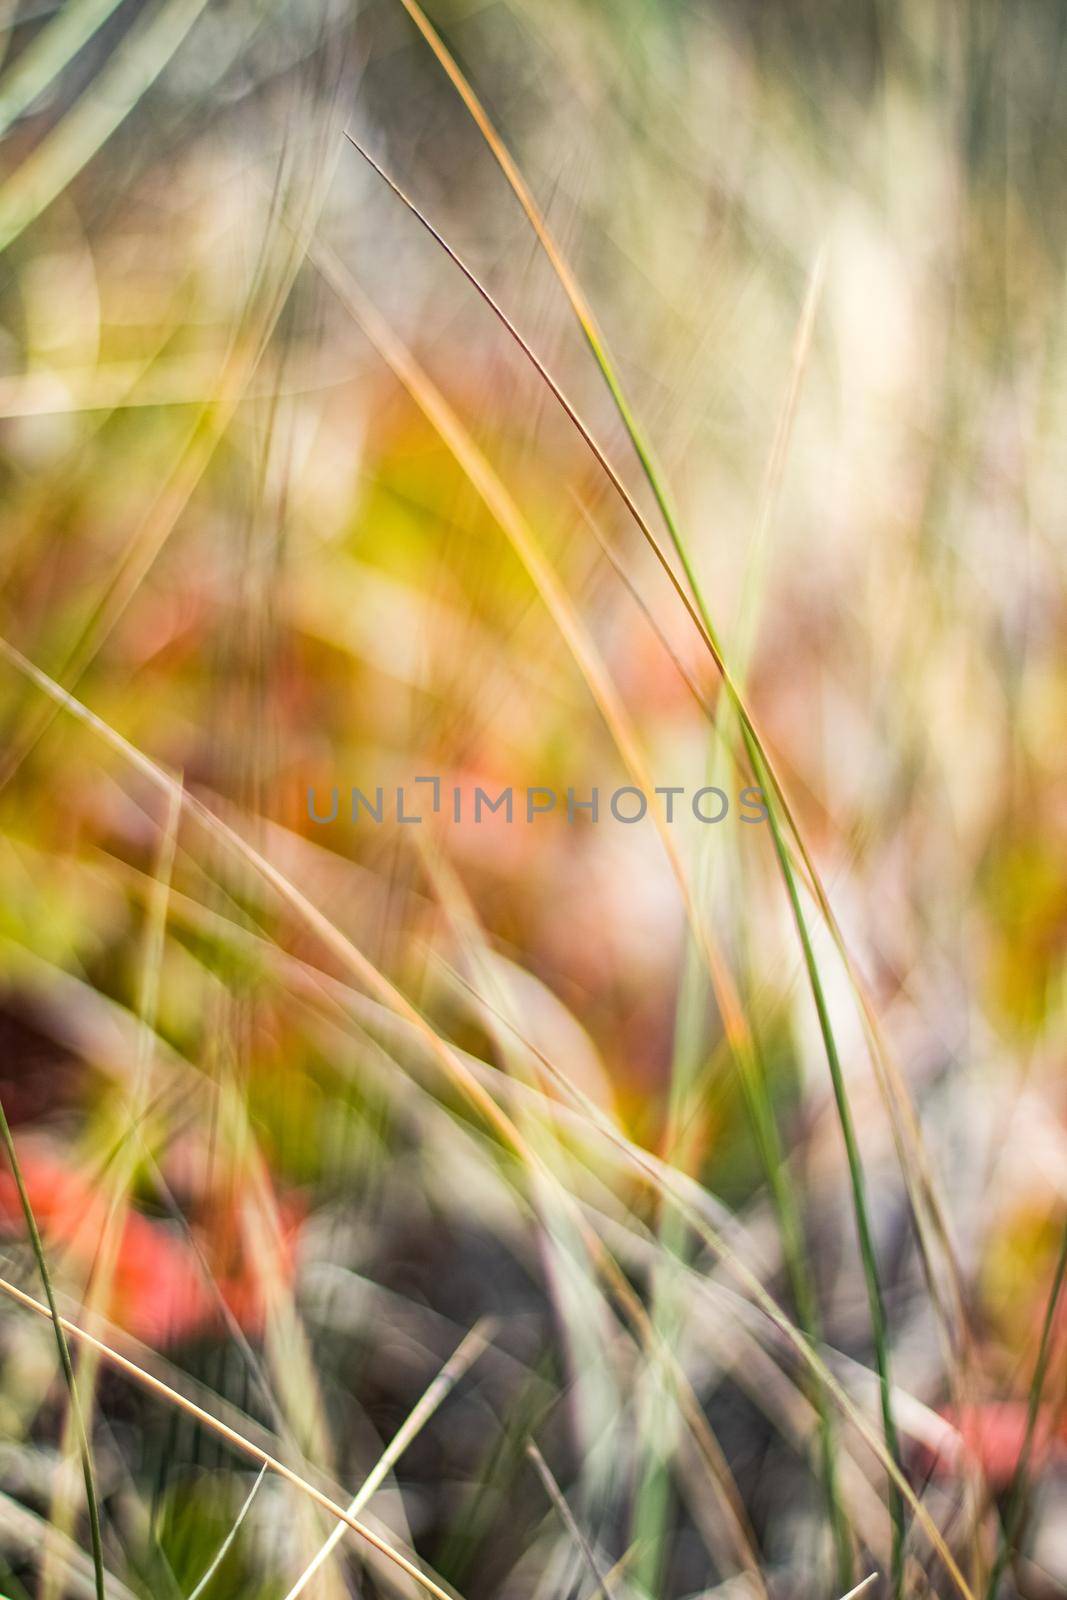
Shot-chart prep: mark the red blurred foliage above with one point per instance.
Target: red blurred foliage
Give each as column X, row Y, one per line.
column 159, row 1291
column 990, row 1436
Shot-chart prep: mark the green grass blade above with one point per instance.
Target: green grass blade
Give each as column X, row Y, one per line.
column 875, row 1299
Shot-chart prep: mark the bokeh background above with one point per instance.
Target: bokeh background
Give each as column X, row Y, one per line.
column 286, row 507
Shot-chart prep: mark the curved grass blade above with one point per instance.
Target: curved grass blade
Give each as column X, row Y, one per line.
column 227, row 1544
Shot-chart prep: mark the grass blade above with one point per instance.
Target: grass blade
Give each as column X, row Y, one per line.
column 567, row 1517
column 227, row 1544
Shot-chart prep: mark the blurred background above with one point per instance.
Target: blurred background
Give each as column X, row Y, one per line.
column 712, row 1123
